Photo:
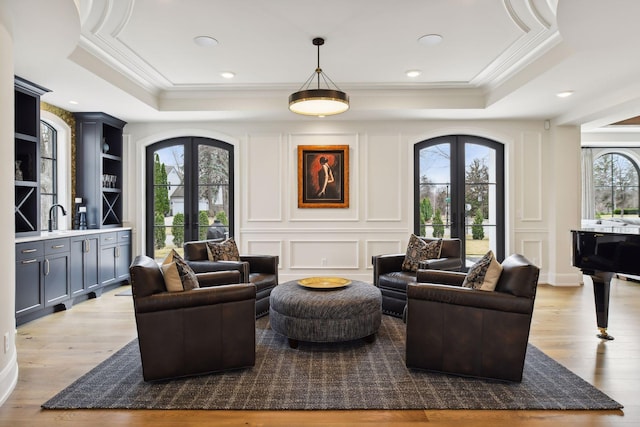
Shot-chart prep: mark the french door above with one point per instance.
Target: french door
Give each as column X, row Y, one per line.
column 459, row 192
column 189, row 193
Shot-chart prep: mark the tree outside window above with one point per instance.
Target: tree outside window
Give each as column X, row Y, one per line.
column 615, row 180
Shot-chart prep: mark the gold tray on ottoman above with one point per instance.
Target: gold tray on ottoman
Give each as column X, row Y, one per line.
column 324, row 282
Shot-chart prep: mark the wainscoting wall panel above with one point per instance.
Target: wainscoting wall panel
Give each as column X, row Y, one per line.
column 380, row 247
column 383, row 167
column 264, row 177
column 264, row 247
column 533, row 243
column 532, row 250
column 324, row 254
column 530, row 174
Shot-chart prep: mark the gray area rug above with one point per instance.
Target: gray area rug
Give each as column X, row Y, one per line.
column 352, row 375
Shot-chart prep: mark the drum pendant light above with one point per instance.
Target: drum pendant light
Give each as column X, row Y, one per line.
column 319, row 101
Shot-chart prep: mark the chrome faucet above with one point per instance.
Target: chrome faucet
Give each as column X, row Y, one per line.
column 51, row 214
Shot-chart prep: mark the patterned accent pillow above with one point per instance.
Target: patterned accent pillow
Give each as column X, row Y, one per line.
column 419, row 250
column 188, row 278
column 484, row 274
column 223, row 251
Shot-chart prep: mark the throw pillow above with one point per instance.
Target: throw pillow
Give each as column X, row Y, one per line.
column 172, row 280
column 418, row 250
column 484, row 274
column 188, row 278
column 223, row 251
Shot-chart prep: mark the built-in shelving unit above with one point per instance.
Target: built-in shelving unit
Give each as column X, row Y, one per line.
column 27, row 156
column 99, row 168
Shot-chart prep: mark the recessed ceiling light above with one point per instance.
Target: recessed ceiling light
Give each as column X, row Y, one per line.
column 73, row 102
column 564, row 94
column 413, row 73
column 227, row 74
column 205, row 41
column 430, row 39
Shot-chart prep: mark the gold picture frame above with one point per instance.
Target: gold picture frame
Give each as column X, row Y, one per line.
column 323, row 176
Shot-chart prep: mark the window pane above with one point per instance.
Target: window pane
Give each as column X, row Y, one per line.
column 46, row 201
column 47, row 141
column 46, row 176
column 213, row 192
column 615, row 186
column 48, row 172
column 168, row 200
column 480, row 200
column 435, row 176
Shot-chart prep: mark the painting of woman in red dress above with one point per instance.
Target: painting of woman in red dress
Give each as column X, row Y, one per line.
column 322, row 176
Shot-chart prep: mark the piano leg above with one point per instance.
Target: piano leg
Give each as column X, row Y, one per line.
column 601, row 287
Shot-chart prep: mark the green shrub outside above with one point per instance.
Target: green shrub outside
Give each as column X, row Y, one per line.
column 160, row 233
column 627, row 211
column 477, row 231
column 438, row 225
column 222, row 217
column 203, row 221
column 177, row 229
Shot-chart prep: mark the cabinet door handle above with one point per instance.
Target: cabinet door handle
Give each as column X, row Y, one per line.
column 57, row 246
column 117, row 252
column 29, row 261
column 46, row 267
column 87, row 245
column 28, row 251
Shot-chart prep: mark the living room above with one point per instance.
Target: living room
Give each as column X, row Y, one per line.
column 542, row 144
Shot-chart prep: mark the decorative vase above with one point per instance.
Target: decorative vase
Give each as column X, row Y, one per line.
column 18, row 172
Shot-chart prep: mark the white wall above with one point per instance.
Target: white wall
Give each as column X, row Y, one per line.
column 380, row 216
column 8, row 359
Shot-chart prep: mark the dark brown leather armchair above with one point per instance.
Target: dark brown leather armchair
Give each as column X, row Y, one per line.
column 392, row 280
column 471, row 332
column 261, row 270
column 207, row 329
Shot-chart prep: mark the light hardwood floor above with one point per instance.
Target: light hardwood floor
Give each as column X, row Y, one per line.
column 55, row 350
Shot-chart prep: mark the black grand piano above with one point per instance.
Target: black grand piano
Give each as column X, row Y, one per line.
column 601, row 252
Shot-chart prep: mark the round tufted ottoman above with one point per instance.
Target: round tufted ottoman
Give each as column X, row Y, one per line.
column 326, row 315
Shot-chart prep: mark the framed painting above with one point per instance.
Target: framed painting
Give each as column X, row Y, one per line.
column 323, row 176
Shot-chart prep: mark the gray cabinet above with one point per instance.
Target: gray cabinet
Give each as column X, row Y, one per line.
column 108, row 244
column 85, row 265
column 115, row 257
column 29, row 280
column 52, row 274
column 55, row 270
column 123, row 255
column 42, row 275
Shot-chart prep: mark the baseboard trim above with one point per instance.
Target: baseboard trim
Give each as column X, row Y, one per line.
column 9, row 377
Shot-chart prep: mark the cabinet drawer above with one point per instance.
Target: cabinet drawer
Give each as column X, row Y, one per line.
column 124, row 236
column 56, row 246
column 109, row 238
column 30, row 250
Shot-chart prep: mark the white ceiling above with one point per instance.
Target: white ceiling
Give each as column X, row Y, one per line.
column 499, row 59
